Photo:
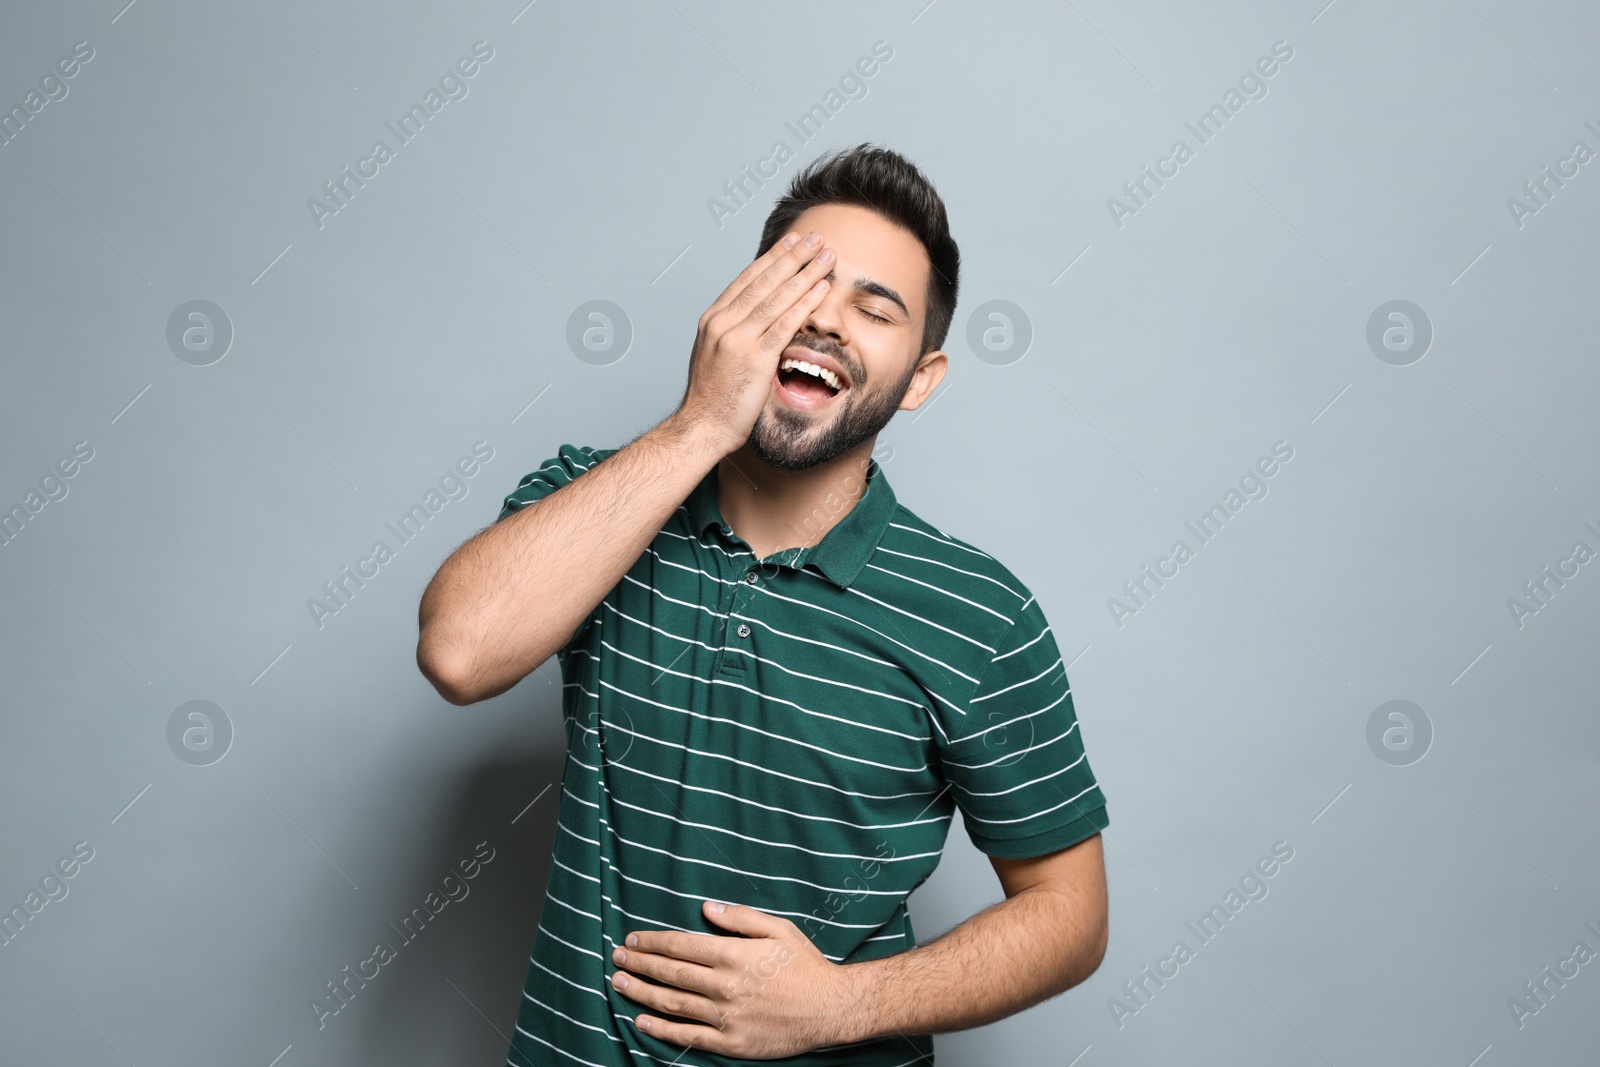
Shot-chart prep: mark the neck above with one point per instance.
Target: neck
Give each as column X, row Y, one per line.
column 774, row 509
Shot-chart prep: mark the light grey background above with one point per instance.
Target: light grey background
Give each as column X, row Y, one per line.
column 431, row 312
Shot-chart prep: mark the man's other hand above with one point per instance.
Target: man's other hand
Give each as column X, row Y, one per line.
column 763, row 995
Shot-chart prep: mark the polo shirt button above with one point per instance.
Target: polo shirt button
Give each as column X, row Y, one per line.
column 744, row 629
column 750, row 576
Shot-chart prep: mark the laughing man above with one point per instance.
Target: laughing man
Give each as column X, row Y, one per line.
column 780, row 684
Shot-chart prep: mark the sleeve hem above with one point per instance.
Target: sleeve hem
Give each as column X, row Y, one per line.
column 568, row 459
column 1054, row 839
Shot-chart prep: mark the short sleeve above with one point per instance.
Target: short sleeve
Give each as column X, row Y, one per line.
column 1015, row 761
column 568, row 462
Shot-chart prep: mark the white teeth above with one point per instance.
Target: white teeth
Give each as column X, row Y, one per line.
column 811, row 368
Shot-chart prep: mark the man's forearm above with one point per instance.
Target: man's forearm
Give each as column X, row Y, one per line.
column 508, row 598
column 1025, row 949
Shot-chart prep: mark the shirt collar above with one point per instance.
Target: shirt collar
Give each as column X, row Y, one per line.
column 843, row 551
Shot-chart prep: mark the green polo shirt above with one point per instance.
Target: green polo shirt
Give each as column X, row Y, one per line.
column 791, row 733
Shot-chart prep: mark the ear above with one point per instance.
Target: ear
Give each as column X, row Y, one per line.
column 929, row 373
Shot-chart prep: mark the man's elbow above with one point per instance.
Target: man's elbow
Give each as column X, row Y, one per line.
column 1098, row 916
column 448, row 676
column 1091, row 951
column 1098, row 956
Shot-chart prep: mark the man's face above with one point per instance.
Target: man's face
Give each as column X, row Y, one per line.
column 867, row 330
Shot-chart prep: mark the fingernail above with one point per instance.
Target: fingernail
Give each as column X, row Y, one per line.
column 825, row 256
column 632, row 940
column 620, row 956
column 788, row 242
column 619, row 980
column 644, row 1024
column 718, row 906
column 813, row 239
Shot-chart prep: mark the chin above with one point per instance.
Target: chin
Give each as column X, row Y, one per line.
column 774, row 441
column 786, row 458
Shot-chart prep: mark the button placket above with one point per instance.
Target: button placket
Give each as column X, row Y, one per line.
column 751, row 577
column 732, row 662
column 727, row 604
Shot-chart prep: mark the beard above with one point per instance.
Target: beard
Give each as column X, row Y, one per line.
column 791, row 441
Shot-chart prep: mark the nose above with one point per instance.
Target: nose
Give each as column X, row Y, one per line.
column 825, row 319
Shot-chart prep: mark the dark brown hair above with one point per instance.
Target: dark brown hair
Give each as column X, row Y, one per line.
column 886, row 182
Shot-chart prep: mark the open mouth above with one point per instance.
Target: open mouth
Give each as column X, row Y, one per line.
column 807, row 385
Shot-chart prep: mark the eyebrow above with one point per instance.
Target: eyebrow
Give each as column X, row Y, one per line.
column 872, row 288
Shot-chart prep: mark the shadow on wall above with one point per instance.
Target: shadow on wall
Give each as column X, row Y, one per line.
column 457, row 982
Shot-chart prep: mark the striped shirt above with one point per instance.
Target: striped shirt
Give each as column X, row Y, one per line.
column 791, row 733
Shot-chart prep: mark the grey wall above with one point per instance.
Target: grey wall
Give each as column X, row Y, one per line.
column 1439, row 859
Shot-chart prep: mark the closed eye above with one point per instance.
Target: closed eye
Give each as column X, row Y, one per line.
column 874, row 318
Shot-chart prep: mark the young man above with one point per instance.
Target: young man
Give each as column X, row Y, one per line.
column 780, row 684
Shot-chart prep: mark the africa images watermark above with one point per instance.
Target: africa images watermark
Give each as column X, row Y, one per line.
column 1542, row 188
column 52, row 887
column 1252, row 887
column 1252, row 86
column 835, row 902
column 806, row 126
column 750, row 983
column 1543, row 587
column 53, row 87
column 1210, row 523
column 341, row 589
column 1538, row 989
column 838, row 500
column 52, row 487
column 452, row 86
column 453, row 889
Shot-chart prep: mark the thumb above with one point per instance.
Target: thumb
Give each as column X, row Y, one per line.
column 743, row 920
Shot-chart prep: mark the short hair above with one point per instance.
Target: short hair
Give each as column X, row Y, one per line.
column 884, row 181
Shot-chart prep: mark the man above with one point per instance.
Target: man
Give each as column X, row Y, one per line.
column 780, row 684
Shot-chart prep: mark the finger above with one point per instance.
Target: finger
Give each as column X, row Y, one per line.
column 776, row 289
column 783, row 296
column 778, row 250
column 801, row 259
column 667, row 970
column 708, row 949
column 752, row 922
column 666, row 999
column 776, row 337
column 701, row 1037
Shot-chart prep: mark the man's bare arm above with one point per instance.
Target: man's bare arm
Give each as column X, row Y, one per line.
column 509, row 598
column 1048, row 935
column 505, row 601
